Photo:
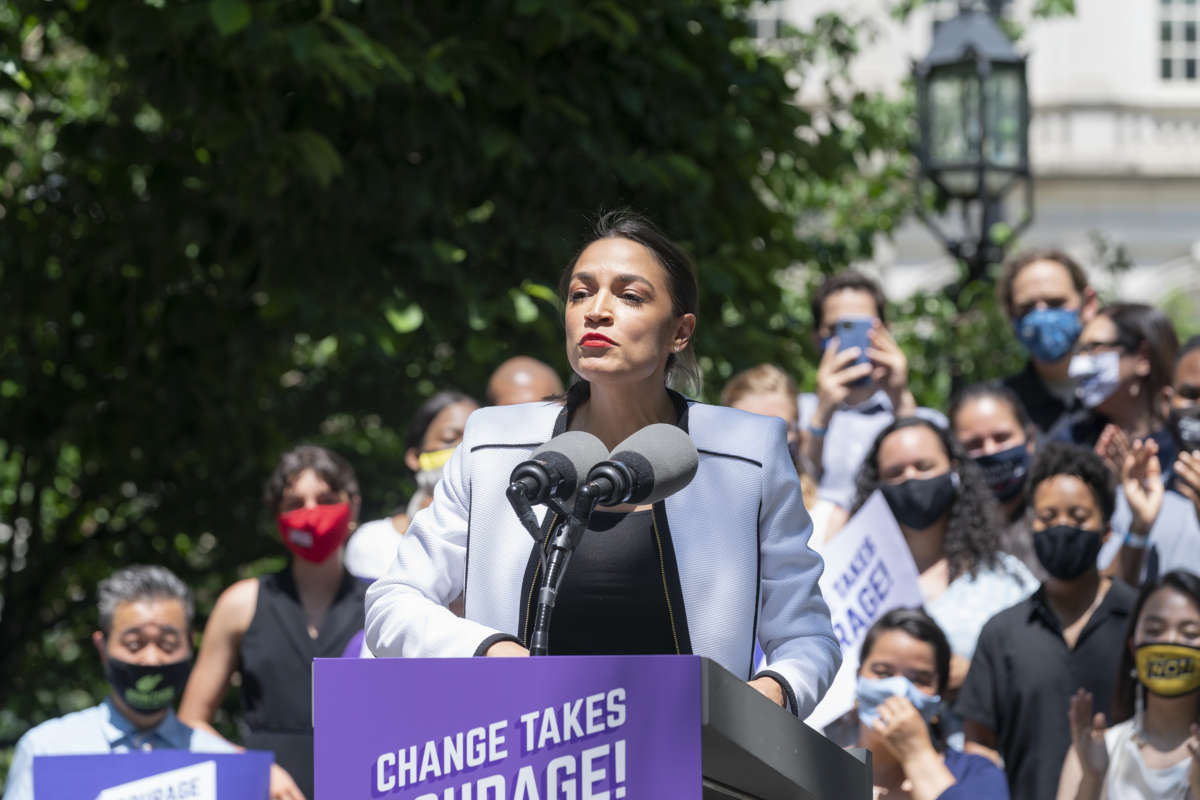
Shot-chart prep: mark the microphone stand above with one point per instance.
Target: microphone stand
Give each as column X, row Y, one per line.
column 564, row 539
column 523, row 509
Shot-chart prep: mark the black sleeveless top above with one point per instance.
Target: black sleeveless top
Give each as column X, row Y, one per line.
column 276, row 665
column 614, row 598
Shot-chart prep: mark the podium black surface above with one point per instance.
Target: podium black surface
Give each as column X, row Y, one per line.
column 751, row 748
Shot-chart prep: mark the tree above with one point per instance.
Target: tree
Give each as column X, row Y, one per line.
column 229, row 226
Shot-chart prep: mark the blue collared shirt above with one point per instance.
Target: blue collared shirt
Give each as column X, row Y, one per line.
column 852, row 431
column 100, row 729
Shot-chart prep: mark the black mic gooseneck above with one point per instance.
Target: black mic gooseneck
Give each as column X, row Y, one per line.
column 563, row 540
column 519, row 500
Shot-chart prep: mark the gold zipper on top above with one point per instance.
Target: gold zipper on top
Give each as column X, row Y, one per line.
column 662, row 567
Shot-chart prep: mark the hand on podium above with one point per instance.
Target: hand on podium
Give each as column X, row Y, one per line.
column 282, row 785
column 769, row 688
column 506, row 649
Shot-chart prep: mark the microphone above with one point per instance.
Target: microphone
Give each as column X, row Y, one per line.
column 555, row 468
column 649, row 466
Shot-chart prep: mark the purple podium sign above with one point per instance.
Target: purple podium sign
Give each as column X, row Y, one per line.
column 550, row 728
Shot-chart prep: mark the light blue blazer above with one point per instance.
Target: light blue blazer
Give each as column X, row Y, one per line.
column 738, row 535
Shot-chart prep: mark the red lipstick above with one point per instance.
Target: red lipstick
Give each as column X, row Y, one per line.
column 595, row 340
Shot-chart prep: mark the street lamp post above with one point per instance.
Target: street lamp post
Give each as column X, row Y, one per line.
column 973, row 117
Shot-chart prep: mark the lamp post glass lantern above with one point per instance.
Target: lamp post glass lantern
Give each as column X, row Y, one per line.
column 973, row 115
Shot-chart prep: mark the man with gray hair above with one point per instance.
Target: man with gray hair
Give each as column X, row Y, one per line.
column 145, row 645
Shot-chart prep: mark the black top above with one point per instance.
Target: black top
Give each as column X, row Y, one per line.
column 1022, row 678
column 276, row 664
column 613, row 599
column 1043, row 406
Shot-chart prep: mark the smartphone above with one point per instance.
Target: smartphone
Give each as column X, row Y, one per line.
column 855, row 332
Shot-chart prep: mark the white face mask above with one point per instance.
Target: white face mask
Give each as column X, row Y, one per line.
column 1096, row 376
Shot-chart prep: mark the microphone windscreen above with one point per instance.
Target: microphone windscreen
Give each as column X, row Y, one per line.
column 662, row 459
column 572, row 455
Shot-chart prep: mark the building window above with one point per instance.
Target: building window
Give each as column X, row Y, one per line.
column 1178, row 49
column 766, row 20
column 764, row 28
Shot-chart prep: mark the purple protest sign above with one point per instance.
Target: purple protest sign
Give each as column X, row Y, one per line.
column 551, row 728
column 164, row 774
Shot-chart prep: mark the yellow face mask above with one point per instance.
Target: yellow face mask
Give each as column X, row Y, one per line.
column 1169, row 670
column 434, row 459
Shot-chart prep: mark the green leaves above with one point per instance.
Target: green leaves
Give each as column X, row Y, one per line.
column 229, row 227
column 406, row 320
column 230, row 16
column 317, row 155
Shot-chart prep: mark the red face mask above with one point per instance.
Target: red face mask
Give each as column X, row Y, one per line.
column 314, row 533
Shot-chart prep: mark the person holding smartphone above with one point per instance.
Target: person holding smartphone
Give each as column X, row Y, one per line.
column 862, row 383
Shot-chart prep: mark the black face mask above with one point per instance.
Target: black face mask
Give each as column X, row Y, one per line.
column 148, row 688
column 919, row 502
column 1185, row 426
column 1065, row 551
column 1005, row 471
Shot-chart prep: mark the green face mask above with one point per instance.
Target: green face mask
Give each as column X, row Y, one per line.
column 148, row 688
column 1168, row 670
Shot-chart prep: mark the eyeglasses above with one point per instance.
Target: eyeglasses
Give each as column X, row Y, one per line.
column 1091, row 348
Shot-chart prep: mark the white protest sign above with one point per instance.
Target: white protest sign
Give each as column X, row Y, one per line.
column 195, row 782
column 868, row 572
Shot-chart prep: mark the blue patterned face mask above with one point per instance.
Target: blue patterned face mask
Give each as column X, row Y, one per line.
column 1049, row 333
column 872, row 692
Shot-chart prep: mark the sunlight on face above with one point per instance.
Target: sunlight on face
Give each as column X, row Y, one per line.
column 1168, row 616
column 898, row 653
column 987, row 425
column 909, row 453
column 620, row 323
column 1066, row 500
column 1044, row 284
column 149, row 631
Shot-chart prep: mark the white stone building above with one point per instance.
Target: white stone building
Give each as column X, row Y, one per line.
column 1114, row 142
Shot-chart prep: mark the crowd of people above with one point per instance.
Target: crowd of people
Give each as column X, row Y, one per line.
column 1053, row 518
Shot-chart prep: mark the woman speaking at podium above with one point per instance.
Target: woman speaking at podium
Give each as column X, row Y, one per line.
column 704, row 571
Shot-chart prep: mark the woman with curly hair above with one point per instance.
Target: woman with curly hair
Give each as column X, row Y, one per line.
column 949, row 519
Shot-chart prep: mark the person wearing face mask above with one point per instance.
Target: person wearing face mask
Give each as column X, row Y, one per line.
column 1152, row 752
column 1121, row 364
column 905, row 673
column 434, row 432
column 947, row 515
column 270, row 628
column 1160, row 515
column 860, row 389
column 1048, row 300
column 1068, row 635
column 993, row 428
column 145, row 644
column 1183, row 416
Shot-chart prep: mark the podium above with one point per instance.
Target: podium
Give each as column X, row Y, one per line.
column 564, row 728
